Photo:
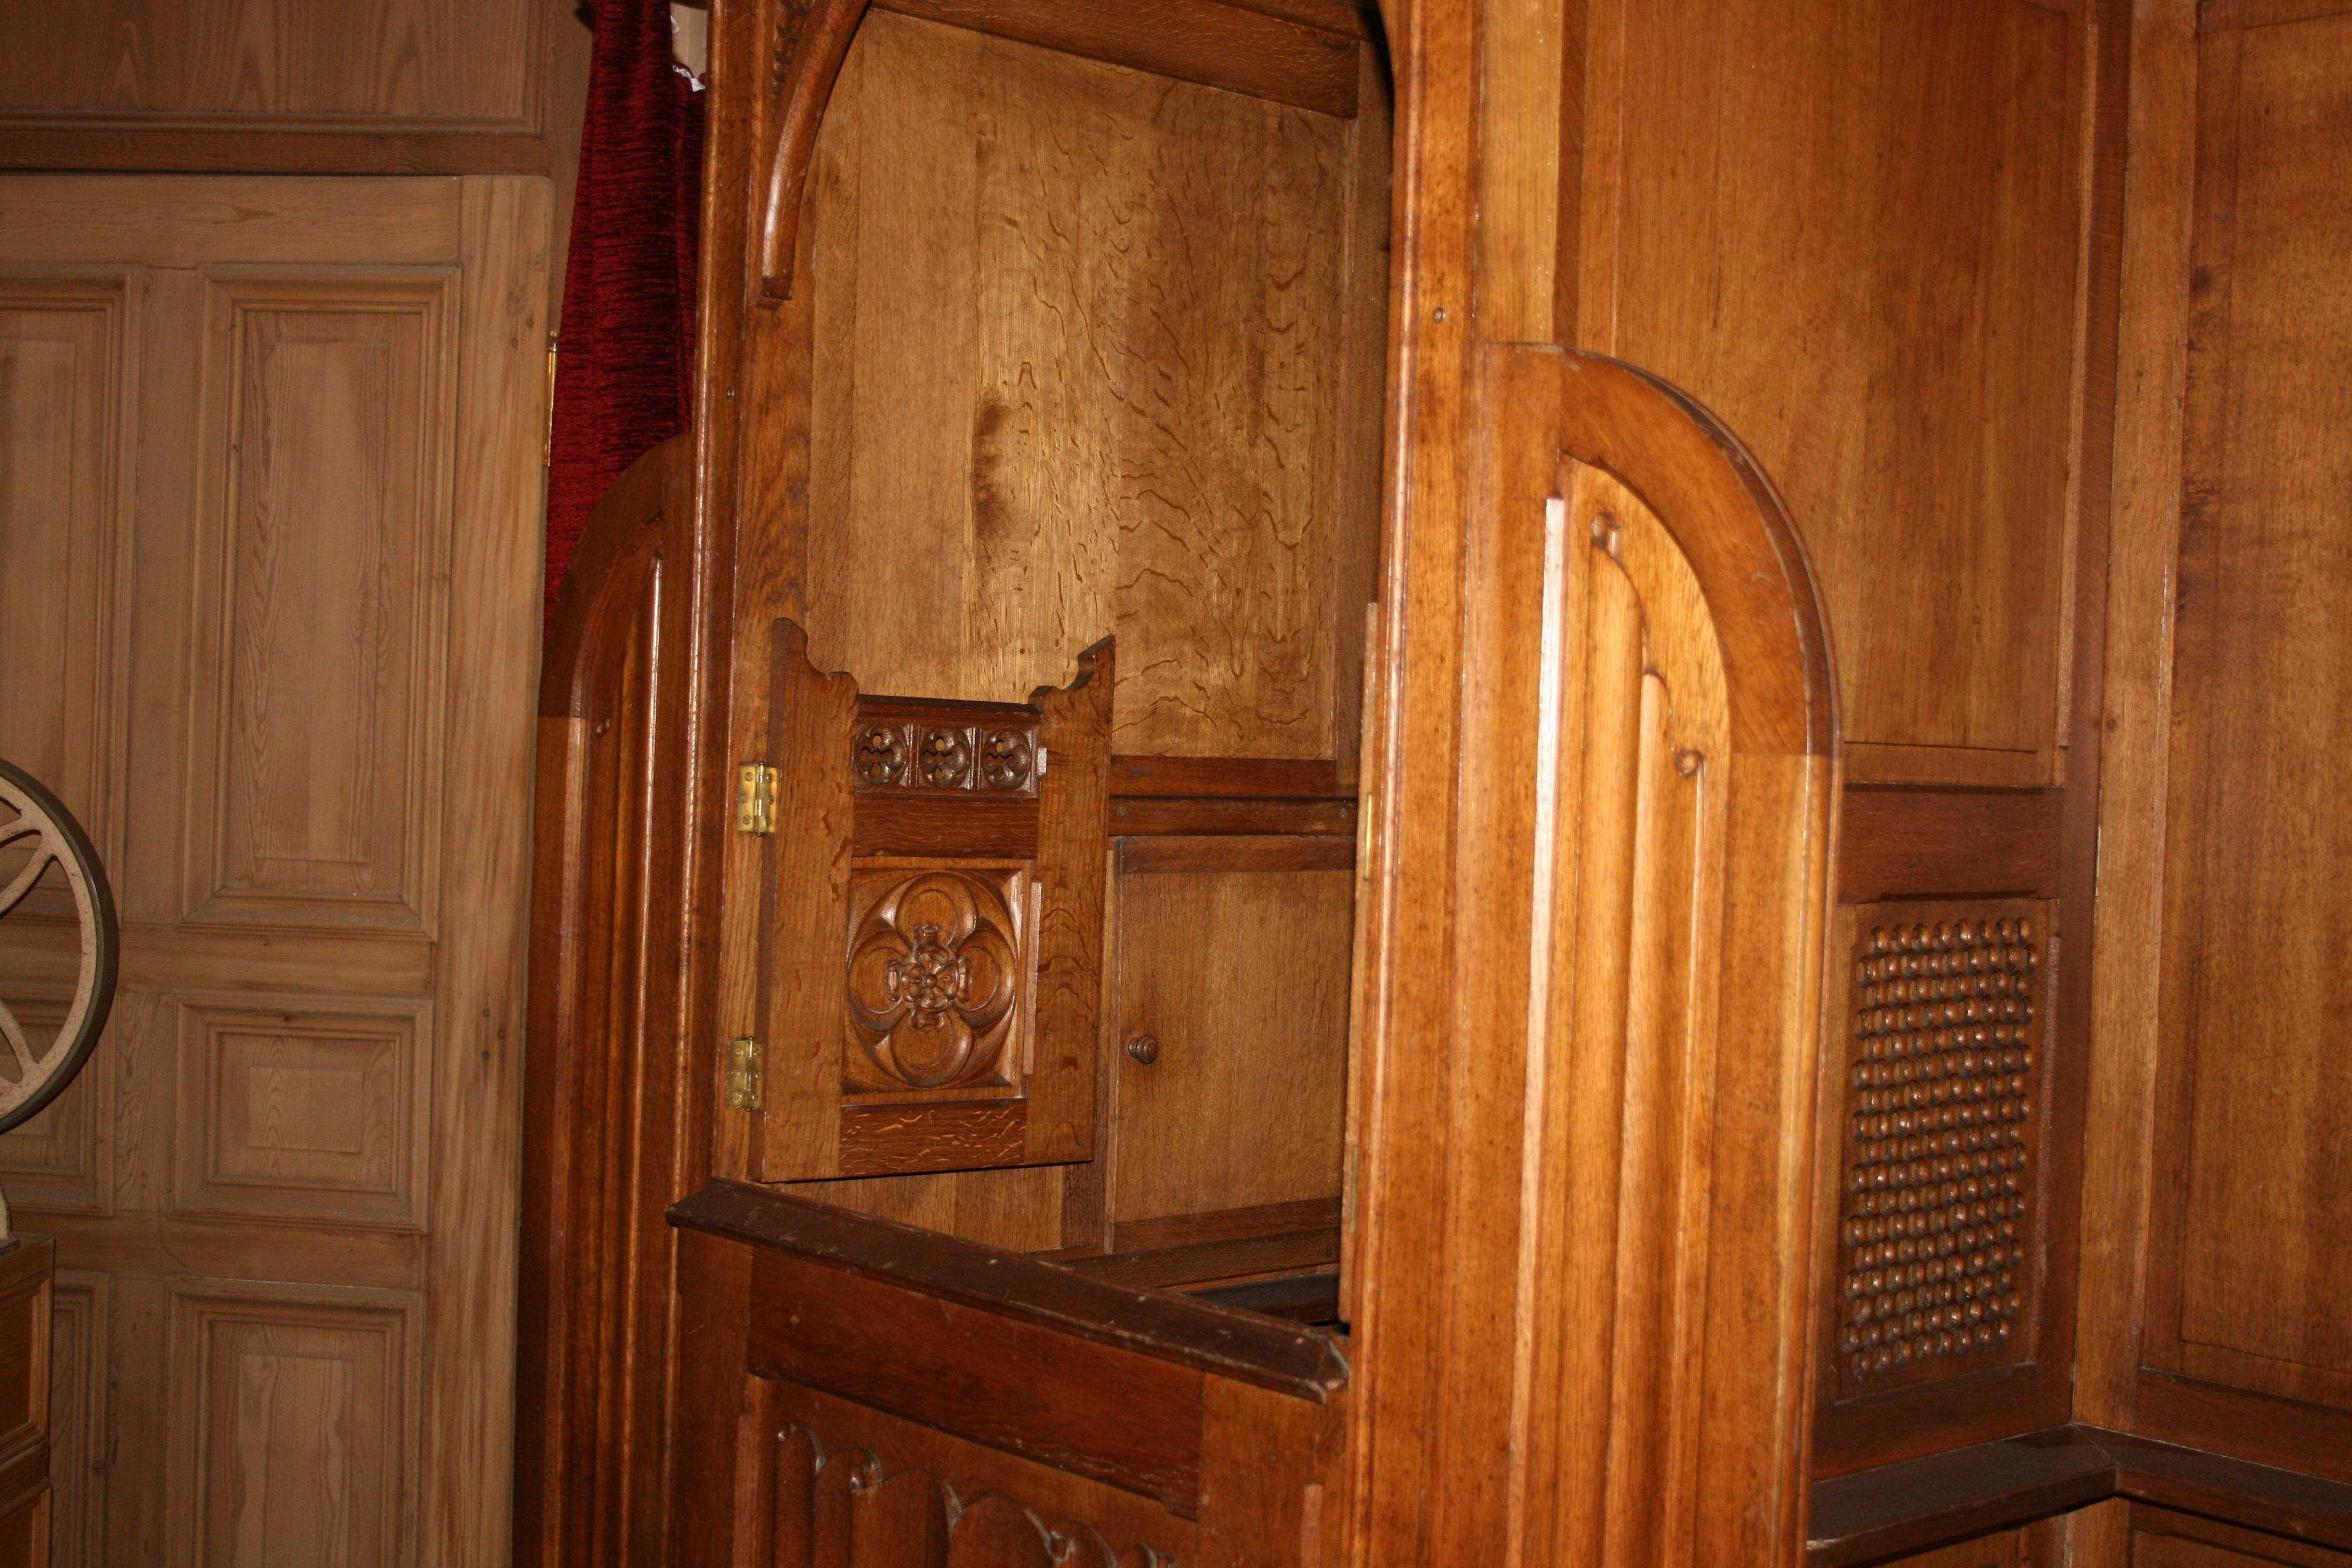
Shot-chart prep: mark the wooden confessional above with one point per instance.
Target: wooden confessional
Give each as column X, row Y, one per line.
column 971, row 848
column 1211, row 888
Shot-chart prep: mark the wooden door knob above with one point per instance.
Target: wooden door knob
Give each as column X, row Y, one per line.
column 1144, row 1048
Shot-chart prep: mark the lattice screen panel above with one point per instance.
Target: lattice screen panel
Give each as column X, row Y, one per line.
column 1941, row 1143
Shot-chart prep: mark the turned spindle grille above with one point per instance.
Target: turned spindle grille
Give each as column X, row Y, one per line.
column 1942, row 1144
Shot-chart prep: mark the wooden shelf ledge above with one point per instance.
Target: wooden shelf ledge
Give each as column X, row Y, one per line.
column 1218, row 1340
column 1919, row 1504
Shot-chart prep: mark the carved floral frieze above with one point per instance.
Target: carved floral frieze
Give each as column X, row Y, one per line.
column 984, row 759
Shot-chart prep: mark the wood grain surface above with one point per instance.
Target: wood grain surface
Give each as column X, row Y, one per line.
column 299, row 667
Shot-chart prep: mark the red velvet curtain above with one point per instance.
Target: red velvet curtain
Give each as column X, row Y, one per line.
column 625, row 362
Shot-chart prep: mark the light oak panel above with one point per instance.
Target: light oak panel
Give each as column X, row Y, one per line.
column 1240, row 978
column 310, row 1109
column 324, row 590
column 160, row 958
column 62, row 432
column 2248, row 1265
column 221, row 64
column 332, row 399
column 168, row 220
column 81, row 1370
column 293, row 1425
column 1075, row 336
column 1853, row 232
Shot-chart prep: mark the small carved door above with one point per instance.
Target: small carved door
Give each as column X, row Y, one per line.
column 932, row 954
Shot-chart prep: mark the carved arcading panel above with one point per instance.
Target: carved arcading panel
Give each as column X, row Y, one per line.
column 1941, row 1140
column 847, row 1506
column 1000, row 759
column 940, row 974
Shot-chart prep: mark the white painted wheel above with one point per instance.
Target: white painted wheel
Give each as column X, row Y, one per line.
column 31, row 817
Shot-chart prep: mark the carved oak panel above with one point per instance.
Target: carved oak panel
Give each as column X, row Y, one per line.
column 840, row 1506
column 941, row 975
column 991, row 757
column 835, row 1482
column 936, row 929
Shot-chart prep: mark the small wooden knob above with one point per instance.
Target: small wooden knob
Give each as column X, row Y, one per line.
column 1144, row 1048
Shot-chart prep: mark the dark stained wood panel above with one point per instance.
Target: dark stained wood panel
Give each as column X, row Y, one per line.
column 2249, row 1261
column 1966, row 1492
column 1921, row 843
column 836, row 1482
column 1169, row 1329
column 2167, row 1538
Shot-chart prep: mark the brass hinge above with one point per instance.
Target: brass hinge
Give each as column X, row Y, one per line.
column 755, row 798
column 744, row 1074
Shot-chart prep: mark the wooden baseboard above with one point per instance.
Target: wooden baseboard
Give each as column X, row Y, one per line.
column 1896, row 1509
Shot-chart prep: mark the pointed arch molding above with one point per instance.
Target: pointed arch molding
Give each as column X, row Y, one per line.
column 807, row 44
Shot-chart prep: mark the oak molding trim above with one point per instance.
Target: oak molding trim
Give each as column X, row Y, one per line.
column 1942, row 1499
column 1220, row 1342
column 1725, row 514
column 810, row 62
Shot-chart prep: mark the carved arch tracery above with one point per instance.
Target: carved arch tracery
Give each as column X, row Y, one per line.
column 828, row 1503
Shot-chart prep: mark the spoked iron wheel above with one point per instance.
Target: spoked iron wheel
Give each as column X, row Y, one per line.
column 32, row 820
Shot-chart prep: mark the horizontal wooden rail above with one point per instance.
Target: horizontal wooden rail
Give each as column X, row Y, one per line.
column 1222, row 1341
column 1919, row 1504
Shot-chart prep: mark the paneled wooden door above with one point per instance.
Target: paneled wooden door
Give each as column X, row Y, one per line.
column 270, row 494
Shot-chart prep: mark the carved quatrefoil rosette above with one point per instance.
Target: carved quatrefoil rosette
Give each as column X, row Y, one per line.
column 937, row 965
column 947, row 757
column 880, row 754
column 1006, row 758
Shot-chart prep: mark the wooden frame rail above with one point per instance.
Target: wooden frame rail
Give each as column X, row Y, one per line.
column 1213, row 1413
column 1896, row 1510
column 1182, row 1331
